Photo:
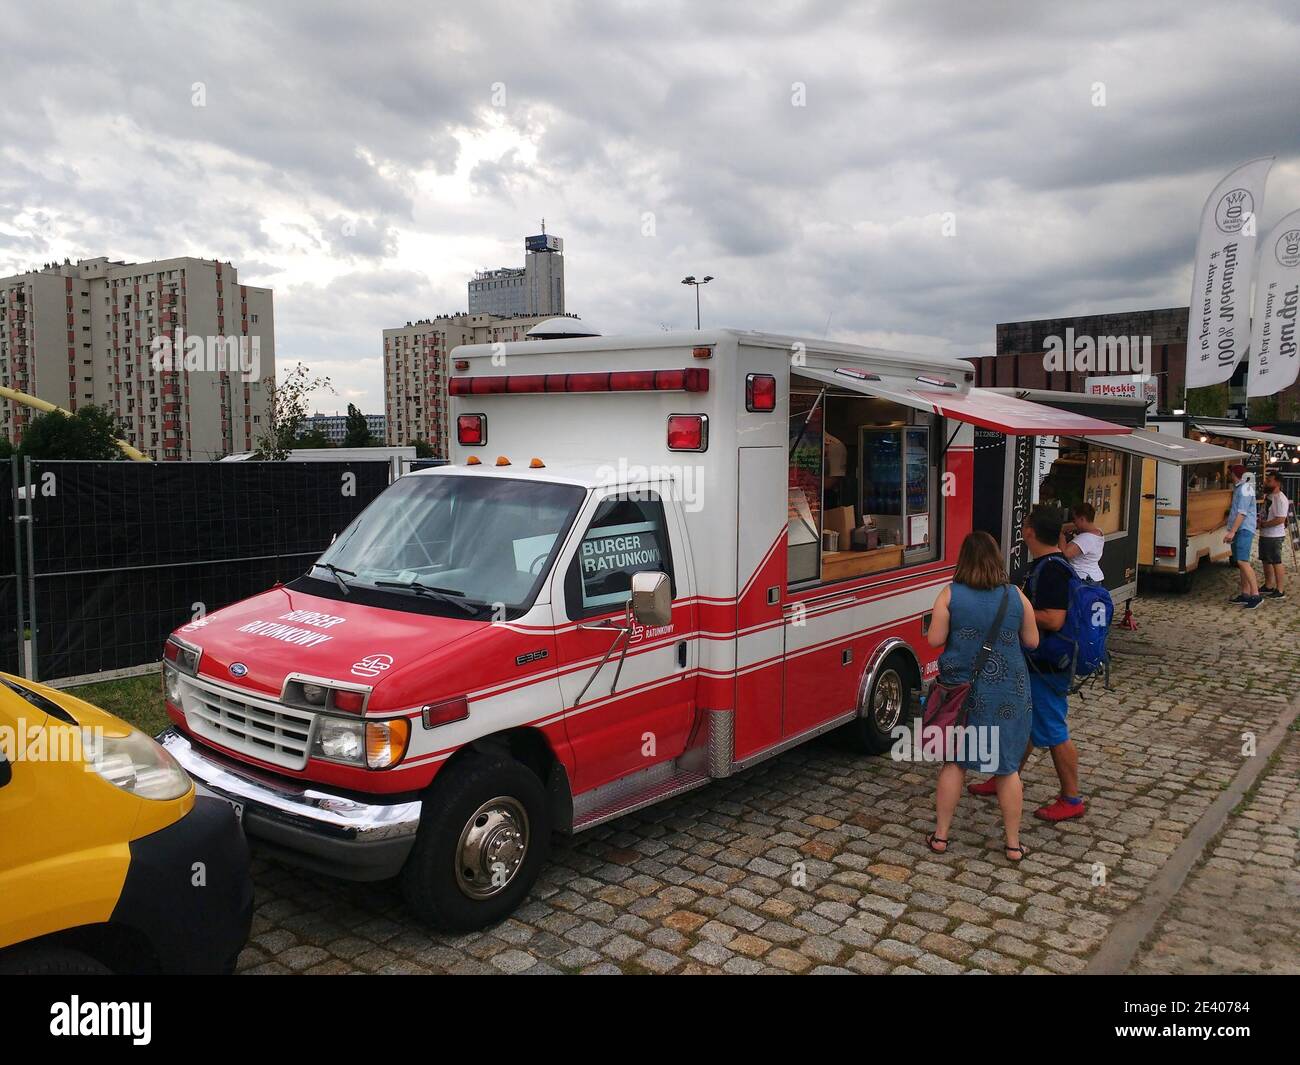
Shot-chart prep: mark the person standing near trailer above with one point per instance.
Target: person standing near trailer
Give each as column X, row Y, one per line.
column 1048, row 591
column 1082, row 543
column 1272, row 535
column 1241, row 534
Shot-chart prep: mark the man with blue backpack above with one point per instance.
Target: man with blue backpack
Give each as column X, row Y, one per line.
column 1073, row 617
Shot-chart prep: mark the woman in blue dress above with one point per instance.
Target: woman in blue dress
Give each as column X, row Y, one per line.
column 998, row 702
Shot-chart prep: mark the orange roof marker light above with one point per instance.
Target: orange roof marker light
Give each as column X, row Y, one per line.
column 537, row 464
column 502, row 461
column 473, row 460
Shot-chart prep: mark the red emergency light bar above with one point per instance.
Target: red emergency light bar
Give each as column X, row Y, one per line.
column 691, row 379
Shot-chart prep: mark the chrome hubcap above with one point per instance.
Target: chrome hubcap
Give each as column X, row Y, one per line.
column 887, row 701
column 492, row 847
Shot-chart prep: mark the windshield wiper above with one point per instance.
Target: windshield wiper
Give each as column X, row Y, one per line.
column 337, row 573
column 447, row 595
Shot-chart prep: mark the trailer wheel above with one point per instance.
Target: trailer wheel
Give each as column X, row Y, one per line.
column 482, row 841
column 885, row 704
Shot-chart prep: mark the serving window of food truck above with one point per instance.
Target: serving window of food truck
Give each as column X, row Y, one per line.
column 863, row 493
column 1074, row 471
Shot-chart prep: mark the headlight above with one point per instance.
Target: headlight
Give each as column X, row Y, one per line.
column 314, row 694
column 136, row 764
column 341, row 740
column 172, row 684
column 185, row 655
column 377, row 744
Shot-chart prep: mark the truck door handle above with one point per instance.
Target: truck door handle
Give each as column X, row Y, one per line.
column 681, row 655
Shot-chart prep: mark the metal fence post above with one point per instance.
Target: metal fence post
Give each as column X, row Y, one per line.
column 19, row 569
column 30, row 492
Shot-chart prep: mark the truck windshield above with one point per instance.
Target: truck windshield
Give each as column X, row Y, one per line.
column 466, row 546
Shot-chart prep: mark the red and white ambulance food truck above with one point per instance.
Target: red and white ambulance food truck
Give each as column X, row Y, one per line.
column 654, row 561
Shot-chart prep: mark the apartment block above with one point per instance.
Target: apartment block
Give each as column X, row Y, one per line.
column 81, row 333
column 415, row 370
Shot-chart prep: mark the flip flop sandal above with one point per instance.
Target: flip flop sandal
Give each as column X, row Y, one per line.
column 1022, row 851
column 932, row 839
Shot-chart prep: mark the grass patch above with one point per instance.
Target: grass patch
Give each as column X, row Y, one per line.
column 138, row 700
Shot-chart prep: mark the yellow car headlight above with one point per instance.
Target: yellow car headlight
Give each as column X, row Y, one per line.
column 137, row 764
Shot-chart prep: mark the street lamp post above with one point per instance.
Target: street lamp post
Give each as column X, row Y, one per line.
column 690, row 280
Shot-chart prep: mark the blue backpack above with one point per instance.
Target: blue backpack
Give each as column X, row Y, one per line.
column 1079, row 646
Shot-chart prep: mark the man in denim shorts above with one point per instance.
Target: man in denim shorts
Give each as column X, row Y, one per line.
column 1241, row 534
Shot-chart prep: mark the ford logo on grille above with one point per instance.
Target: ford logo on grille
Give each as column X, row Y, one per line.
column 238, row 669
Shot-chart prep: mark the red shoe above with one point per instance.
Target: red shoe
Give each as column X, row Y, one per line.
column 1060, row 810
column 984, row 787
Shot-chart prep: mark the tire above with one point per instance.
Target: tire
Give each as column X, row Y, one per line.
column 886, row 704
column 50, row 961
column 501, row 799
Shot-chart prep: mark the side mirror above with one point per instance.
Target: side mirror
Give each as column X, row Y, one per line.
column 652, row 599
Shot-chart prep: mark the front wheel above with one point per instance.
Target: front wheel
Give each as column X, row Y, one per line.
column 482, row 840
column 885, row 705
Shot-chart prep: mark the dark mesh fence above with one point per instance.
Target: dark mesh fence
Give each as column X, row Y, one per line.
column 124, row 552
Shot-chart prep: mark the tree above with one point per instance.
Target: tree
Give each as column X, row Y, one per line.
column 91, row 433
column 423, row 449
column 1211, row 401
column 1262, row 410
column 356, row 431
column 286, row 410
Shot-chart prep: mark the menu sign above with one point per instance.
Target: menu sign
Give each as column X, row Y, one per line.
column 805, row 502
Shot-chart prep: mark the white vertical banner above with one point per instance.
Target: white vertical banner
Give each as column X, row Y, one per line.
column 1218, row 326
column 1274, row 360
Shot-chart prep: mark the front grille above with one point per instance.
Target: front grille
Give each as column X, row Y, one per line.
column 240, row 722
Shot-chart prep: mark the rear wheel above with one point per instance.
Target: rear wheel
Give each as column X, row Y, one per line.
column 482, row 841
column 885, row 705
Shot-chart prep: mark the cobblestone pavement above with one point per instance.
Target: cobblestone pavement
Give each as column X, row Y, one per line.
column 1239, row 911
column 705, row 883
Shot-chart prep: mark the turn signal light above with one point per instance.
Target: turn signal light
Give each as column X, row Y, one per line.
column 760, row 392
column 386, row 741
column 688, row 432
column 471, row 430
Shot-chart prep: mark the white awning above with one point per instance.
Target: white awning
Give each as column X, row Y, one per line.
column 980, row 406
column 1166, row 447
column 1240, row 432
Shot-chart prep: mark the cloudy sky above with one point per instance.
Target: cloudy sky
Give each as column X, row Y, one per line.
column 905, row 174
